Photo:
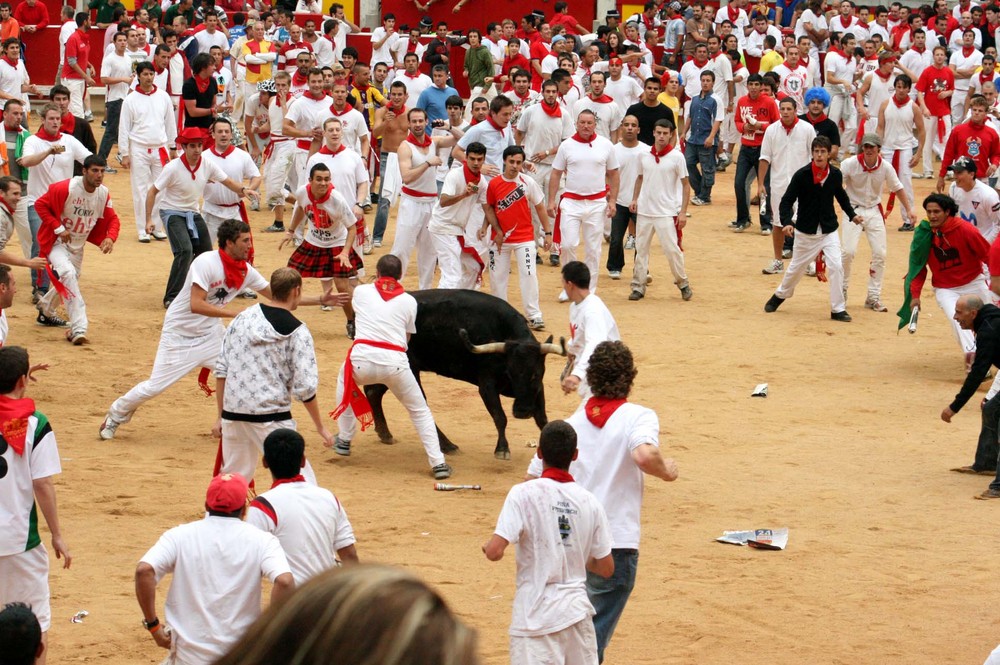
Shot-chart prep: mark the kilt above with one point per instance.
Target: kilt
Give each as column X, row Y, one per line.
column 321, row 262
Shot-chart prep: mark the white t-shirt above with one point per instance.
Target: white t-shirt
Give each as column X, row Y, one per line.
column 206, row 271
column 178, row 190
column 81, row 212
column 543, row 132
column 857, row 28
column 786, row 153
column 224, row 81
column 309, row 522
column 628, row 170
column 378, row 320
column 590, row 323
column 415, row 84
column 384, row 52
column 340, row 39
column 818, row 24
column 605, row 466
column 53, row 168
column 331, row 232
column 452, row 220
column 557, row 527
column 794, row 82
column 207, row 40
column 959, row 61
column 609, row 115
column 237, row 165
column 402, row 47
column 117, row 67
column 308, row 114
column 347, row 170
column 662, row 192
column 66, row 31
column 980, row 207
column 625, row 91
column 865, row 187
column 355, row 129
column 215, row 594
column 840, row 68
column 495, row 141
column 18, row 531
column 12, row 78
column 586, row 164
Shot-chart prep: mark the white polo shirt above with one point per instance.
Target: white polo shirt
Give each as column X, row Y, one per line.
column 178, row 190
column 53, row 168
column 786, row 152
column 543, row 132
column 609, row 114
column 628, row 170
column 865, row 187
column 451, row 220
column 662, row 192
column 307, row 114
column 347, row 170
column 309, row 522
column 381, row 320
column 215, row 593
column 590, row 323
column 238, row 165
column 586, row 164
column 339, row 214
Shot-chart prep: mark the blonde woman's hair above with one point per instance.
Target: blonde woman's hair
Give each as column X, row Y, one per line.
column 358, row 615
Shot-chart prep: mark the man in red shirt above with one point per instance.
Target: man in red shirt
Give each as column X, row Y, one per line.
column 754, row 113
column 32, row 16
column 935, row 87
column 562, row 17
column 77, row 72
column 974, row 139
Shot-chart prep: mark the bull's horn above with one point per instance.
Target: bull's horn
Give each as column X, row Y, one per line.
column 560, row 348
column 489, row 347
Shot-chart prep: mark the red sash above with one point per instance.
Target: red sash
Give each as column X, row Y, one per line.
column 556, row 233
column 354, row 397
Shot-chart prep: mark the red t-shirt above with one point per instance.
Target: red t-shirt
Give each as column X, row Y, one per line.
column 566, row 20
column 980, row 142
column 510, row 202
column 955, row 259
column 763, row 109
column 931, row 82
column 77, row 46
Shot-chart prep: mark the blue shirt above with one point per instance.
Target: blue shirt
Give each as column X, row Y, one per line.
column 703, row 110
column 235, row 33
column 432, row 100
column 787, row 10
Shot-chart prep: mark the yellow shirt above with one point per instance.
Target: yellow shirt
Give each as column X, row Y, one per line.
column 670, row 102
column 263, row 72
column 770, row 60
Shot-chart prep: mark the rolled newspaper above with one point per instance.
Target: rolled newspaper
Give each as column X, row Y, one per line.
column 447, row 487
column 913, row 320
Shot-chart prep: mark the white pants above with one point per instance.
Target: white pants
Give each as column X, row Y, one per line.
column 582, row 218
column 932, row 144
column 541, row 178
column 842, row 108
column 213, row 223
column 175, row 357
column 804, row 251
column 666, row 230
column 774, row 204
column 947, row 298
column 22, row 227
column 873, row 227
column 958, row 106
column 299, row 159
column 523, row 255
column 77, row 88
column 400, row 381
column 458, row 269
column 243, row 444
column 24, row 578
column 576, row 645
column 411, row 231
column 144, row 170
column 905, row 174
column 68, row 265
column 279, row 170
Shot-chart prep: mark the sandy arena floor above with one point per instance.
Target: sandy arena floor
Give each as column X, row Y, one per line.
column 887, row 560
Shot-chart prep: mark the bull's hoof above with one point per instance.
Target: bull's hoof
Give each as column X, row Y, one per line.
column 385, row 437
column 502, row 454
column 448, row 448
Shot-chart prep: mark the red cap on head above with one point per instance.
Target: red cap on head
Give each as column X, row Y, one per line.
column 615, row 61
column 227, row 493
column 191, row 135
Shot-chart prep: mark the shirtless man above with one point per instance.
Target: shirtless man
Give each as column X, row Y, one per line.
column 391, row 124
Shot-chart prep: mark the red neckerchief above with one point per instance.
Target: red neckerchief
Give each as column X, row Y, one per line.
column 660, row 153
column 819, row 176
column 309, row 95
column 8, row 209
column 326, row 151
column 885, row 79
column 235, row 271
column 45, row 136
column 68, row 123
column 968, row 50
column 474, row 122
column 865, row 167
column 918, row 50
column 603, row 99
column 225, row 154
column 579, row 139
column 733, row 15
column 804, row 61
column 401, row 111
column 821, row 118
column 294, row 479
column 554, row 112
column 320, row 219
column 277, row 99
column 187, row 166
column 557, row 475
column 850, row 21
column 300, row 80
column 470, row 177
column 649, row 25
column 524, row 99
column 388, row 288
column 789, row 128
column 984, row 77
column 411, row 76
column 14, row 415
column 12, row 63
column 143, row 92
column 218, row 68
column 494, row 125
column 347, row 109
column 700, row 63
column 899, row 104
column 202, row 83
column 159, row 70
column 836, row 49
column 599, row 409
column 410, row 138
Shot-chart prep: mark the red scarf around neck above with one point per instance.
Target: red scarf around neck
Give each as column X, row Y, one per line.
column 320, row 219
column 918, row 50
column 470, row 177
column 190, row 169
column 347, row 109
column 316, row 98
column 300, row 80
column 558, row 475
column 700, row 63
column 202, row 84
column 579, row 139
column 494, row 125
column 836, row 49
column 660, row 153
column 821, row 118
column 14, row 415
column 985, row 76
column 143, row 92
column 45, row 136
column 732, row 12
column 789, row 128
column 885, row 79
column 283, row 481
column 967, row 51
column 68, row 123
column 401, row 111
column 819, row 176
column 225, row 154
column 864, row 166
column 555, row 111
column 235, row 271
column 900, row 104
column 12, row 63
column 326, row 151
column 388, row 288
column 410, row 138
column 600, row 409
column 603, row 99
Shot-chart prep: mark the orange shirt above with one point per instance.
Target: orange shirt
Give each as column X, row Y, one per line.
column 9, row 28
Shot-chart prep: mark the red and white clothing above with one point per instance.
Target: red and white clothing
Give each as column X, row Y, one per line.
column 625, row 91
column 206, row 40
column 962, row 59
column 322, row 48
column 327, row 218
column 916, row 61
column 590, row 323
column 458, row 260
column 78, row 53
column 659, row 203
column 221, row 203
column 794, row 83
column 181, row 185
column 842, row 67
column 512, row 202
column 415, row 207
column 12, row 77
column 691, row 74
column 899, row 140
column 879, row 91
column 753, row 46
column 980, row 142
column 404, row 46
column 308, row 114
column 348, row 171
column 415, row 84
column 289, row 53
column 146, row 127
column 980, row 207
column 355, row 129
column 53, row 168
column 215, row 593
column 786, row 151
column 739, row 19
column 384, row 52
column 817, row 23
column 931, row 83
column 88, row 217
column 763, row 111
column 279, row 164
column 543, row 130
column 309, row 522
column 852, row 24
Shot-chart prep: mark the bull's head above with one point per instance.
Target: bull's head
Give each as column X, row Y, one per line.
column 525, row 366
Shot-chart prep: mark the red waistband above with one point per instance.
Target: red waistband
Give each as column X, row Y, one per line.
column 305, row 144
column 585, row 197
column 415, row 193
column 381, row 345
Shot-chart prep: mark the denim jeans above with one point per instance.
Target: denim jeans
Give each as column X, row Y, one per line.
column 619, row 226
column 746, row 164
column 608, row 596
column 113, row 113
column 382, row 212
column 39, row 278
column 184, row 247
column 701, row 180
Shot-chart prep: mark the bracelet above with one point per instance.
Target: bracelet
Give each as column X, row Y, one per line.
column 152, row 631
column 151, row 626
column 548, row 233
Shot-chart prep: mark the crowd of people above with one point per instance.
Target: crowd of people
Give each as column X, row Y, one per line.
column 570, row 138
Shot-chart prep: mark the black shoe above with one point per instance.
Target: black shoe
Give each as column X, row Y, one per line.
column 51, row 321
column 841, row 316
column 538, row 260
column 350, row 329
column 277, row 227
column 167, row 303
column 906, row 227
column 554, row 260
column 636, row 295
column 773, row 303
column 741, row 227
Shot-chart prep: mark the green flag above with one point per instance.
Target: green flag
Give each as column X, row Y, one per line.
column 920, row 248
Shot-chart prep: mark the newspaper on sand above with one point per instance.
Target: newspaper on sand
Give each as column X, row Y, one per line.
column 761, row 539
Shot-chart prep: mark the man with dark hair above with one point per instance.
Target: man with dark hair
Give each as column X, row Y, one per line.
column 192, row 330
column 562, row 534
column 21, row 636
column 619, row 444
column 77, row 72
column 591, row 322
column 12, row 149
column 463, row 194
column 216, row 563
column 199, row 93
column 309, row 521
column 649, row 109
column 30, row 458
column 72, row 124
column 386, row 317
column 10, row 199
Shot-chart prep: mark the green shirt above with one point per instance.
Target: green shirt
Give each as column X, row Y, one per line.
column 479, row 64
column 105, row 10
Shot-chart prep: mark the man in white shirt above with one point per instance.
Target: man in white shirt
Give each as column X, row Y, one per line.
column 590, row 323
column 321, row 47
column 304, row 122
column 618, row 444
column 220, row 203
column 963, row 61
column 463, row 190
column 211, row 35
column 978, row 203
column 839, row 68
column 309, row 521
column 918, row 57
column 116, row 75
column 353, row 126
column 346, row 28
column 628, row 151
column 625, row 90
column 217, row 563
column 383, row 41
column 14, row 80
column 901, row 128
column 813, row 24
column 794, row 77
column 561, row 532
column 414, row 80
column 846, row 22
column 608, row 114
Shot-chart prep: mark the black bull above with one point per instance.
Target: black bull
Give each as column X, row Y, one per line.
column 480, row 339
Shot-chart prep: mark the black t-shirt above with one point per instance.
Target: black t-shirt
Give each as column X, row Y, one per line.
column 647, row 116
column 826, row 127
column 202, row 100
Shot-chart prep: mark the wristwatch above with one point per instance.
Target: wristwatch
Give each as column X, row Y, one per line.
column 150, row 625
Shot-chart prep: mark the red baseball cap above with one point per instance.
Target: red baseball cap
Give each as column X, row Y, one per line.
column 227, row 493
column 190, row 135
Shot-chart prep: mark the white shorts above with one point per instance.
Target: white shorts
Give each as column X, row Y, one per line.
column 576, row 644
column 24, row 578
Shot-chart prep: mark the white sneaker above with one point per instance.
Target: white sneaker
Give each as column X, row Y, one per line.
column 109, row 427
column 536, row 324
column 159, row 235
column 630, row 241
column 144, row 237
column 367, row 248
column 563, row 297
column 615, row 274
column 811, row 269
column 775, row 267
